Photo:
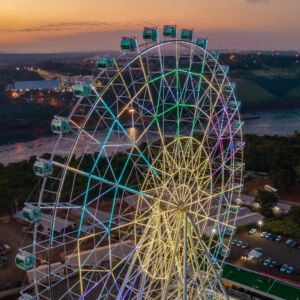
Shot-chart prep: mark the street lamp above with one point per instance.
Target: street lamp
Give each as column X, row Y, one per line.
column 260, row 223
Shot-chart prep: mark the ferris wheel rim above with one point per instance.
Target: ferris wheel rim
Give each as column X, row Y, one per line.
column 103, row 92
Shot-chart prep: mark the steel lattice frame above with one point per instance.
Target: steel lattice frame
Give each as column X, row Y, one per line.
column 151, row 225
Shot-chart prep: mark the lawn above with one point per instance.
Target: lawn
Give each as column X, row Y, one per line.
column 260, row 283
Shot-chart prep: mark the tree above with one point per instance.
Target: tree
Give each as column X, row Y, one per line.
column 266, row 200
column 283, row 179
column 295, row 215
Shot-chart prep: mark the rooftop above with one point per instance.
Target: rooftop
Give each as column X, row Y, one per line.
column 36, row 85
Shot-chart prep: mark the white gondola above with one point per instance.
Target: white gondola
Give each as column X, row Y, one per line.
column 31, row 213
column 229, row 87
column 239, row 145
column 225, row 253
column 237, row 124
column 234, row 105
column 60, row 125
column 42, row 167
column 26, row 297
column 24, row 260
column 240, row 166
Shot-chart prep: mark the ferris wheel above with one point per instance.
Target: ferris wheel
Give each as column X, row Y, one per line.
column 137, row 196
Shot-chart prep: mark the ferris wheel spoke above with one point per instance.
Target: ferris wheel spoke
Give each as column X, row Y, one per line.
column 101, row 179
column 172, row 263
column 215, row 221
column 116, row 119
column 215, row 195
column 195, row 257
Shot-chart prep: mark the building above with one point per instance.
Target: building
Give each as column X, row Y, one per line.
column 249, row 201
column 244, row 217
column 68, row 81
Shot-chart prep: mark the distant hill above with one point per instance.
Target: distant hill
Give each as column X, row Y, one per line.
column 17, row 58
column 265, row 81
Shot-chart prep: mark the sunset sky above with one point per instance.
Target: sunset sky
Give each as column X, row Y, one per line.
column 80, row 25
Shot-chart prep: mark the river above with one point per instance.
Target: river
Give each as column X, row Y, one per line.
column 282, row 122
column 276, row 122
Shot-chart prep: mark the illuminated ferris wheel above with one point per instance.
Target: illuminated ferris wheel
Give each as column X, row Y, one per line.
column 136, row 200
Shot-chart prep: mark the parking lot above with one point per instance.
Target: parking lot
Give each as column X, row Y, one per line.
column 277, row 251
column 11, row 234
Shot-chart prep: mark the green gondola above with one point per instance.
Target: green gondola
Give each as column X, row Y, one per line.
column 104, row 63
column 187, row 34
column 128, row 44
column 215, row 54
column 82, row 90
column 170, row 31
column 202, row 42
column 150, row 34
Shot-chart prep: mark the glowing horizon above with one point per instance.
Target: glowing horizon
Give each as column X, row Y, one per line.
column 33, row 25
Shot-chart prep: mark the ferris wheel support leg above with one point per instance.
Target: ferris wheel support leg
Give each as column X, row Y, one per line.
column 185, row 258
column 120, row 293
column 166, row 288
column 208, row 258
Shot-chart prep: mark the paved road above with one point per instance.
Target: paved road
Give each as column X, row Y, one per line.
column 278, row 251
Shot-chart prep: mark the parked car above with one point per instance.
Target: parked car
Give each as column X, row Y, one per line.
column 278, row 238
column 267, row 261
column 239, row 243
column 289, row 242
column 7, row 248
column 244, row 245
column 289, row 270
column 233, row 242
column 263, row 234
column 283, row 268
column 273, row 264
column 225, row 253
column 252, row 231
column 3, row 261
column 269, row 235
